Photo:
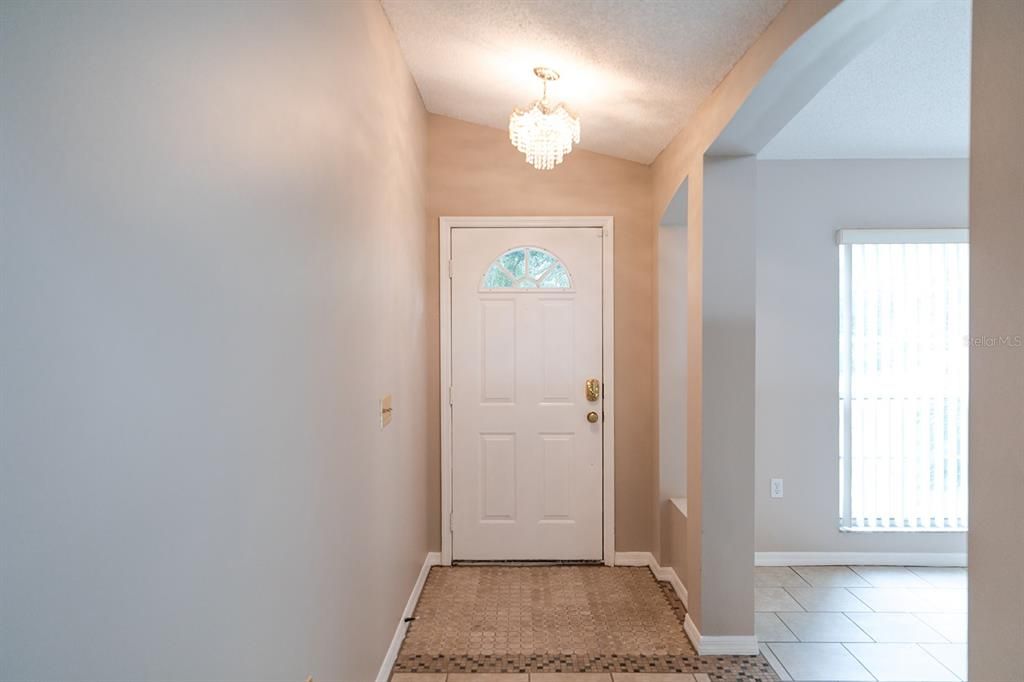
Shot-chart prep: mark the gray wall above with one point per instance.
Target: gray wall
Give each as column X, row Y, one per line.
column 994, row 621
column 800, row 206
column 725, row 527
column 214, row 261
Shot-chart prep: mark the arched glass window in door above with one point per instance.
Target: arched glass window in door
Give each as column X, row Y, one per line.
column 526, row 267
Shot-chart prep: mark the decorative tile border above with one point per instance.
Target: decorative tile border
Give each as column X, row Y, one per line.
column 720, row 668
column 673, row 600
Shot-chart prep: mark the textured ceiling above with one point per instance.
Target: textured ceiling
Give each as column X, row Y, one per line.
column 906, row 96
column 633, row 70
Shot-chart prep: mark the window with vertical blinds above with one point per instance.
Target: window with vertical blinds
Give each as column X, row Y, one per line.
column 903, row 379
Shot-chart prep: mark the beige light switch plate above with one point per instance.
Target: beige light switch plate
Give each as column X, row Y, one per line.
column 385, row 411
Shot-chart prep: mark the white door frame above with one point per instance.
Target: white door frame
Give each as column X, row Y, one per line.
column 607, row 361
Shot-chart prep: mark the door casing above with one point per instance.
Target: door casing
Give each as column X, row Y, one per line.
column 447, row 224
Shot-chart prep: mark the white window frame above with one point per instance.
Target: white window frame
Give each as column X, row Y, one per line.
column 844, row 237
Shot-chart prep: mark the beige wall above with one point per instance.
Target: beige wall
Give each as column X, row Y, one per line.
column 214, row 255
column 473, row 170
column 670, row 376
column 996, row 538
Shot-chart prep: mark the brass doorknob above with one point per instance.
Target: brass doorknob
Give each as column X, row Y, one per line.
column 592, row 417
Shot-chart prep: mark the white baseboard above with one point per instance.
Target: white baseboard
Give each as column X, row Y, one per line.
column 666, row 573
column 860, row 559
column 633, row 558
column 732, row 645
column 432, row 559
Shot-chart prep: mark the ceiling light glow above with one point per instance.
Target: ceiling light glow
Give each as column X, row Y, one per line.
column 544, row 133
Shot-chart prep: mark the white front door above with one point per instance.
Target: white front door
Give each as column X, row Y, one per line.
column 526, row 338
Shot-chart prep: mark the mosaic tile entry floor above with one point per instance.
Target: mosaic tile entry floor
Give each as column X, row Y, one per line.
column 523, row 619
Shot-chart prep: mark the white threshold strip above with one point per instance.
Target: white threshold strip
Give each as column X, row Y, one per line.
column 706, row 645
column 432, row 559
column 860, row 559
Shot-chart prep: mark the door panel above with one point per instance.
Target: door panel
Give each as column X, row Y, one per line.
column 556, row 455
column 526, row 336
column 557, row 351
column 498, row 350
column 498, row 476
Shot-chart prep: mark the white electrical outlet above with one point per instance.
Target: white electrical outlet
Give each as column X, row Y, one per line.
column 776, row 487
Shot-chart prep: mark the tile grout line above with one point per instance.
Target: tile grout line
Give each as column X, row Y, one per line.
column 916, row 644
column 867, row 581
column 862, row 664
column 788, row 629
column 936, row 659
column 928, row 625
column 806, row 581
column 845, row 589
column 778, row 660
column 848, row 568
column 857, row 625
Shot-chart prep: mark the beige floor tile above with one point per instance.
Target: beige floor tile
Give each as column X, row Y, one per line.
column 827, row 599
column 953, row 656
column 570, row 677
column 830, row 576
column 488, row 677
column 952, row 626
column 941, row 576
column 769, row 628
column 774, row 599
column 809, row 661
column 419, row 677
column 890, row 576
column 777, row 576
column 652, row 677
column 897, row 600
column 900, row 663
column 895, row 627
column 823, row 627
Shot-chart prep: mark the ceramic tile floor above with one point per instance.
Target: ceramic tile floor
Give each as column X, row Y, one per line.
column 872, row 623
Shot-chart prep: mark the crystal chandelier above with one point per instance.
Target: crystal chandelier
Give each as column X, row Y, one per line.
column 543, row 132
